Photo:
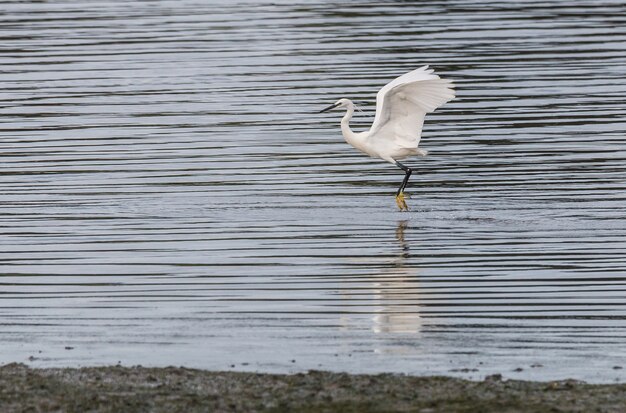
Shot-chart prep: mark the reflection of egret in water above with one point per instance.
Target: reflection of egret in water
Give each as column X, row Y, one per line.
column 396, row 293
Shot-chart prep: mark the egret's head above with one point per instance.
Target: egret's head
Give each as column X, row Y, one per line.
column 341, row 103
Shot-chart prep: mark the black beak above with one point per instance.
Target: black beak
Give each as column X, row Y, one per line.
column 329, row 108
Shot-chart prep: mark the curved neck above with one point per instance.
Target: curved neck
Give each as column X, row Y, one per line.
column 345, row 122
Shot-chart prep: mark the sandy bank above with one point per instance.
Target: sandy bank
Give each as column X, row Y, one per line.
column 139, row 389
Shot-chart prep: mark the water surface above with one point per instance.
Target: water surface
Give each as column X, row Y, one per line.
column 171, row 197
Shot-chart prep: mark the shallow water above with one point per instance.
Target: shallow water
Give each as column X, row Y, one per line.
column 171, row 197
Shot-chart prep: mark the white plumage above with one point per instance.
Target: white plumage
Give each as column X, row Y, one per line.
column 401, row 106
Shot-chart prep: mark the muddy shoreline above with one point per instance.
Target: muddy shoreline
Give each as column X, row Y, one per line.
column 172, row 389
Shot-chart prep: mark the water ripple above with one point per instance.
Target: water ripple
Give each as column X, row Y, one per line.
column 171, row 196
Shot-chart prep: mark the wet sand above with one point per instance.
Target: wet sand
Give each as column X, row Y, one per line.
column 172, row 389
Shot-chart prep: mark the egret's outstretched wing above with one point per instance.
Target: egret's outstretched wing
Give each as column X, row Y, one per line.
column 402, row 104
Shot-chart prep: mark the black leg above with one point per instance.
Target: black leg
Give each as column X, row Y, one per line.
column 406, row 177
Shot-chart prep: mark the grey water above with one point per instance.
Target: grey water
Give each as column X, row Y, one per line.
column 169, row 194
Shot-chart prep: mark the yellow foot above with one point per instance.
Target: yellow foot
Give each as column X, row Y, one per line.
column 401, row 202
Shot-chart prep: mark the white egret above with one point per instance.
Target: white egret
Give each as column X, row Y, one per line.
column 401, row 106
